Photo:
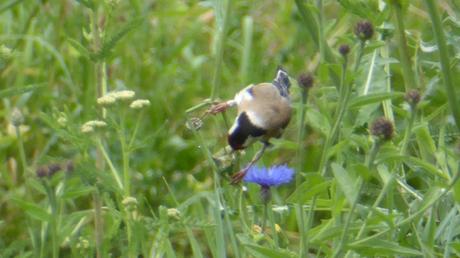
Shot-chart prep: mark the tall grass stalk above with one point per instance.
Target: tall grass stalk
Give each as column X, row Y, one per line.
column 101, row 90
column 369, row 163
column 303, row 249
column 222, row 9
column 248, row 28
column 219, row 206
column 444, row 59
column 51, row 194
column 406, row 65
column 420, row 211
column 22, row 153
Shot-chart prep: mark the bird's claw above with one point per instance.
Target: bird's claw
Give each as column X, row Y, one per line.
column 218, row 108
column 238, row 177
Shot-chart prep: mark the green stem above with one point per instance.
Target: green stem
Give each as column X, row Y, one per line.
column 125, row 160
column 22, row 152
column 219, row 205
column 271, row 218
column 369, row 163
column 219, row 55
column 408, row 131
column 330, row 138
column 300, row 165
column 53, row 223
column 343, row 241
column 344, row 95
column 444, row 59
column 98, row 223
column 248, row 25
column 109, row 162
column 408, row 74
column 322, row 42
column 264, row 219
column 416, row 214
column 362, row 44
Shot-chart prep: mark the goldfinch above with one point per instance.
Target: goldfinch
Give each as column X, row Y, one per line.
column 264, row 111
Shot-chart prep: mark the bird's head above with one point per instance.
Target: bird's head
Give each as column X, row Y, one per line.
column 282, row 82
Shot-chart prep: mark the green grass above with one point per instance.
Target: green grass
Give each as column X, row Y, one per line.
column 156, row 181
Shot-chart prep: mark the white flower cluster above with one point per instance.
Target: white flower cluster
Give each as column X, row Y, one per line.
column 139, row 103
column 91, row 125
column 113, row 96
column 124, row 95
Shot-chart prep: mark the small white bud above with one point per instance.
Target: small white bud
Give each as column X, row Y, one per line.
column 173, row 213
column 17, row 118
column 86, row 129
column 5, row 52
column 128, row 201
column 106, row 100
column 123, row 94
column 139, row 103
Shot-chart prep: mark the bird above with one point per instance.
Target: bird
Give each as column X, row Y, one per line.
column 264, row 111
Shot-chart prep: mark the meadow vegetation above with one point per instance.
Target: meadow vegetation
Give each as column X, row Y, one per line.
column 107, row 152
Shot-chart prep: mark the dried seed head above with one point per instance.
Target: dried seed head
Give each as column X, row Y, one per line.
column 48, row 170
column 344, row 49
column 194, row 124
column 306, row 81
column 412, row 97
column 364, row 30
column 382, row 128
column 17, row 118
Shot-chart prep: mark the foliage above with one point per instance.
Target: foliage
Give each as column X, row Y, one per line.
column 88, row 171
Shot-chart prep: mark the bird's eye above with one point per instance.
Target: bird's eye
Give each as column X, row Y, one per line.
column 286, row 80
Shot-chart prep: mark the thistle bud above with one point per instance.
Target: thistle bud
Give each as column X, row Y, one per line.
column 412, row 97
column 305, row 81
column 344, row 50
column 364, row 30
column 382, row 128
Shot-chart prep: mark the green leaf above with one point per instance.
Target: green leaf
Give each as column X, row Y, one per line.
column 347, row 184
column 318, row 121
column 426, row 144
column 32, row 209
column 75, row 193
column 374, row 98
column 314, row 184
column 383, row 247
column 20, row 90
column 261, row 251
column 9, row 4
column 80, row 48
column 108, row 45
column 87, row 3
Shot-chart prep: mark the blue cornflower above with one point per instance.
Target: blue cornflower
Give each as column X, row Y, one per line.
column 273, row 176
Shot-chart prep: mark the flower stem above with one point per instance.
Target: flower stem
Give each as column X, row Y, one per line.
column 300, row 165
column 409, row 79
column 22, row 155
column 444, row 59
column 369, row 163
column 219, row 55
column 53, row 223
column 109, row 162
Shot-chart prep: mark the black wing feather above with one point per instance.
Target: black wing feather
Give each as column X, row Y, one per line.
column 244, row 129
